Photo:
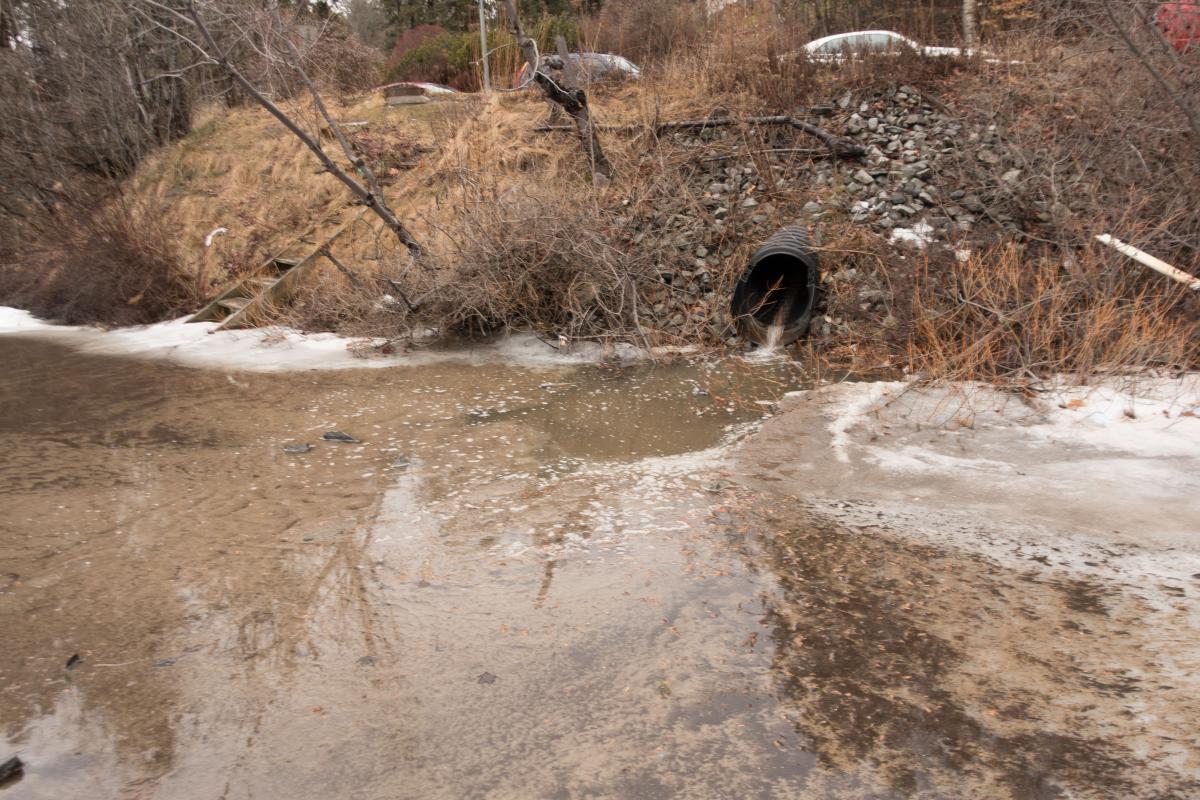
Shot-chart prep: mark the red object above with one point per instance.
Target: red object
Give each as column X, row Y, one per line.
column 1180, row 25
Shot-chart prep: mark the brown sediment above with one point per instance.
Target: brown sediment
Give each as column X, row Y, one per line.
column 521, row 583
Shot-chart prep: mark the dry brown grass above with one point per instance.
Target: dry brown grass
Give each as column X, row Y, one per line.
column 1008, row 314
column 240, row 170
column 519, row 238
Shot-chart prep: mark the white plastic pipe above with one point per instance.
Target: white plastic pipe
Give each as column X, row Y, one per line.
column 1144, row 258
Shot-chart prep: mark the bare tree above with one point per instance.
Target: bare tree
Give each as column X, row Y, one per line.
column 87, row 90
column 563, row 93
column 277, row 47
column 968, row 23
column 1140, row 34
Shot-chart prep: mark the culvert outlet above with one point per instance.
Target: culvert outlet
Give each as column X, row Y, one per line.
column 774, row 299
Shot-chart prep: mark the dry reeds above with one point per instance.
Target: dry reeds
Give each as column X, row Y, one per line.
column 1005, row 315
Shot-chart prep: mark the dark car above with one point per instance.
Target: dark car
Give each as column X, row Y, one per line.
column 596, row 67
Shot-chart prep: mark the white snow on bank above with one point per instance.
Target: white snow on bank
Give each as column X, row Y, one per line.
column 919, row 235
column 15, row 320
column 858, row 399
column 1101, row 479
column 1153, row 416
column 277, row 349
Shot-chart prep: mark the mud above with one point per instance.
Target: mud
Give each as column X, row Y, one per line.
column 524, row 582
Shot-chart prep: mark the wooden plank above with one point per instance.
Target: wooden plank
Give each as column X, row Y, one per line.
column 281, row 290
column 213, row 311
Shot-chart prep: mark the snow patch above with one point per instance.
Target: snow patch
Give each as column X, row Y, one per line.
column 919, row 235
column 1155, row 417
column 16, row 320
column 852, row 402
column 1152, row 417
column 278, row 349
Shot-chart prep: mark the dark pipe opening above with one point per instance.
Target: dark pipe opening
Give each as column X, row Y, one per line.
column 779, row 287
column 777, row 290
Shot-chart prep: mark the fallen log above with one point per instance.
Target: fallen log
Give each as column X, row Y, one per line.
column 838, row 145
column 1145, row 259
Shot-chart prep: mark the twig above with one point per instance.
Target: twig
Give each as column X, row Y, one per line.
column 837, row 145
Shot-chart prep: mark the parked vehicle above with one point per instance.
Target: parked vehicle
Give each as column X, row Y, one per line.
column 422, row 86
column 596, row 67
column 1180, row 25
column 841, row 46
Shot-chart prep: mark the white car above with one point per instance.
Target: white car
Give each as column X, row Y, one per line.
column 841, row 46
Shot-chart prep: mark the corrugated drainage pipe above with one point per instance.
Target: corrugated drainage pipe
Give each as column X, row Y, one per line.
column 773, row 301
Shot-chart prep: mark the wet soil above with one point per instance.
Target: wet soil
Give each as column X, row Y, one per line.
column 520, row 583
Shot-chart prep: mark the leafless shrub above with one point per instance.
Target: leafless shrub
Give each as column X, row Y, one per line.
column 119, row 266
column 86, row 92
column 645, row 30
column 340, row 61
column 544, row 262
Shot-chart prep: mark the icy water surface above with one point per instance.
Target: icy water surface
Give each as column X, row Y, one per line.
column 521, row 583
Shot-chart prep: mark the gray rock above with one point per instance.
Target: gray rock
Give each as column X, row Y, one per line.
column 749, row 202
column 864, row 177
column 813, row 207
column 988, row 157
column 972, row 203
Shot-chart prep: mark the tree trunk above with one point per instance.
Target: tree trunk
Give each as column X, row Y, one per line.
column 968, row 23
column 572, row 99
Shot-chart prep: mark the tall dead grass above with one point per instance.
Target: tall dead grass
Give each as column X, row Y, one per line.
column 1005, row 315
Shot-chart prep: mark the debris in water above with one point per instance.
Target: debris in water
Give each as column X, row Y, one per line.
column 297, row 448
column 11, row 769
column 74, row 661
column 487, row 678
column 338, row 436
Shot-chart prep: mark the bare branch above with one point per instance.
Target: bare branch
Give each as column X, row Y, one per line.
column 572, row 99
column 371, row 196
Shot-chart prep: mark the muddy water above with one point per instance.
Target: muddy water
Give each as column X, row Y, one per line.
column 521, row 583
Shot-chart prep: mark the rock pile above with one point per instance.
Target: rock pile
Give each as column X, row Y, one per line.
column 928, row 176
column 903, row 178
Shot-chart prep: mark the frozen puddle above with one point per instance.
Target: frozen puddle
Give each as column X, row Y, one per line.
column 581, row 581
